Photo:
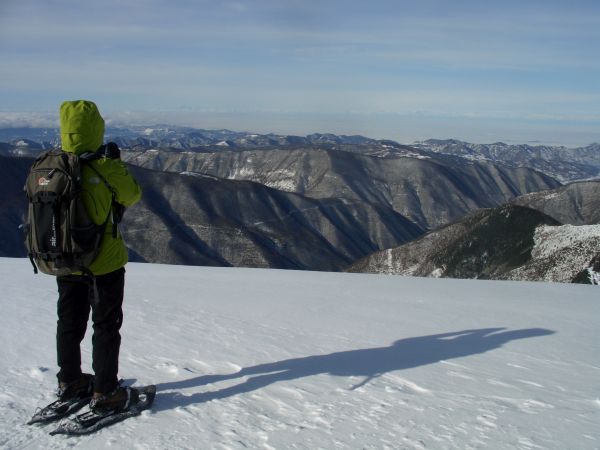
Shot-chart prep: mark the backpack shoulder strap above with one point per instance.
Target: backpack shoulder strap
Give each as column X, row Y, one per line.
column 112, row 192
column 88, row 157
column 103, row 178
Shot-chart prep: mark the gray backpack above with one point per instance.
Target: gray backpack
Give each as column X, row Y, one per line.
column 60, row 237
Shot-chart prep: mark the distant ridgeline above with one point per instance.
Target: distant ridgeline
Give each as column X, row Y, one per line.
column 327, row 202
column 564, row 164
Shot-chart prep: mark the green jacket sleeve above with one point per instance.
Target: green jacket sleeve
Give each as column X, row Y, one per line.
column 127, row 190
column 98, row 199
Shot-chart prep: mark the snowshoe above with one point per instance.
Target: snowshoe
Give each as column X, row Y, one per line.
column 71, row 398
column 99, row 416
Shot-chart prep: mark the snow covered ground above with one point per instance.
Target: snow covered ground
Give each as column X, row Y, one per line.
column 263, row 359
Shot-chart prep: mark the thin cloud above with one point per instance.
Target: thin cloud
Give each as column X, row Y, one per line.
column 514, row 59
column 27, row 119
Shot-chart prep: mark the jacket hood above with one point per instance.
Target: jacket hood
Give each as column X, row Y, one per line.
column 81, row 126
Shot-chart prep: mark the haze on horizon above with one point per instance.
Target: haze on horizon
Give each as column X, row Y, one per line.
column 478, row 71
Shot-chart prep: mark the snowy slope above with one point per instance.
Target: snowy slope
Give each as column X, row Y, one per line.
column 559, row 253
column 250, row 358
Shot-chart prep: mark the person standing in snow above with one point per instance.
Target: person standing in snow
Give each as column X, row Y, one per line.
column 82, row 130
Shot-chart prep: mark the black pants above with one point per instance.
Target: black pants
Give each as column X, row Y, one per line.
column 75, row 298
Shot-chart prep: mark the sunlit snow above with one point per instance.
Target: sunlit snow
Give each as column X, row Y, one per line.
column 250, row 358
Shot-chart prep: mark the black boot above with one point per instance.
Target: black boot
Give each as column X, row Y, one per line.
column 78, row 389
column 118, row 400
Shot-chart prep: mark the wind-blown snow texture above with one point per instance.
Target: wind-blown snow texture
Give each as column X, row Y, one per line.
column 250, row 358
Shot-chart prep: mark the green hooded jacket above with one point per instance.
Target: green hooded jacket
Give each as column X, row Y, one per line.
column 81, row 130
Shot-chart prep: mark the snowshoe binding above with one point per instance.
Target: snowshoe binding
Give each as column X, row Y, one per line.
column 71, row 398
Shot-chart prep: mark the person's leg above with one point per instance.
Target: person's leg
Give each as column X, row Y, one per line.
column 73, row 311
column 107, row 316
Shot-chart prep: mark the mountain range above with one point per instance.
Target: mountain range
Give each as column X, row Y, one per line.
column 203, row 220
column 430, row 191
column 564, row 164
column 319, row 202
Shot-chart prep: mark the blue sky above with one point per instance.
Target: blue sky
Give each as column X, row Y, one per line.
column 406, row 70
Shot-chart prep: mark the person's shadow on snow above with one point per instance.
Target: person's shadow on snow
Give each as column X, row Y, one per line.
column 368, row 363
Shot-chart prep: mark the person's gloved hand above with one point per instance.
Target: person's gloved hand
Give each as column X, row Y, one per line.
column 112, row 151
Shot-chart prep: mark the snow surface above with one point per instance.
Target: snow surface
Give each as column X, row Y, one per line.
column 263, row 359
